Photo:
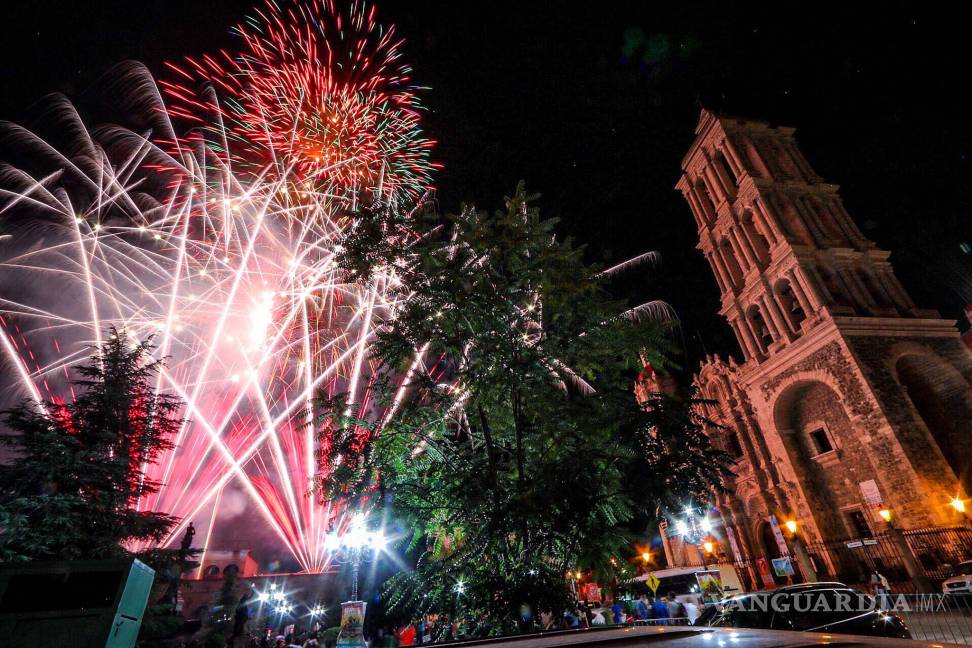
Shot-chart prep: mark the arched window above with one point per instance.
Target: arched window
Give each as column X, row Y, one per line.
column 825, row 218
column 732, row 265
column 757, row 166
column 761, row 330
column 789, row 304
column 874, row 288
column 726, row 171
column 835, row 287
column 211, row 572
column 708, row 204
column 760, row 246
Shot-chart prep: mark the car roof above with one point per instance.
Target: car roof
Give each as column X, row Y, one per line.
column 690, row 637
column 803, row 587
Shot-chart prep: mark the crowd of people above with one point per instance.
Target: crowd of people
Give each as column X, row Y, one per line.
column 438, row 628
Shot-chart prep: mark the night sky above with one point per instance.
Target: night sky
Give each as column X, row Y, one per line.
column 594, row 106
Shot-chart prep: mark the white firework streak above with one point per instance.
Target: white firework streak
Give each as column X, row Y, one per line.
column 236, row 280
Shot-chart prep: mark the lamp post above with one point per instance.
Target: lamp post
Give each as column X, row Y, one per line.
column 922, row 583
column 353, row 547
column 694, row 530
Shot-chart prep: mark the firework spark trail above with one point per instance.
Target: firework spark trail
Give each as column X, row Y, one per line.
column 222, row 242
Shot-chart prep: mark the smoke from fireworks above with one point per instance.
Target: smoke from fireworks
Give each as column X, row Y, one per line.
column 221, row 243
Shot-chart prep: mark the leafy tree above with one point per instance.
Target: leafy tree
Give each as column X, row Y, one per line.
column 515, row 456
column 77, row 472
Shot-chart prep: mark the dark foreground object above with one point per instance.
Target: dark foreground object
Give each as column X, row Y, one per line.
column 694, row 637
column 815, row 607
column 96, row 604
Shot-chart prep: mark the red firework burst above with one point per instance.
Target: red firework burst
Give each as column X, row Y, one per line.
column 315, row 93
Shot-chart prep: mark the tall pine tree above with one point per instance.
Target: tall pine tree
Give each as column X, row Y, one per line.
column 76, row 473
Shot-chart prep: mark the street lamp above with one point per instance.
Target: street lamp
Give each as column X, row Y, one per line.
column 694, row 529
column 885, row 515
column 353, row 546
column 958, row 504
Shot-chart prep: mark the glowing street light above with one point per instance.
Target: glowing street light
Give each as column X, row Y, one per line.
column 791, row 526
column 958, row 504
column 885, row 515
column 646, row 556
column 694, row 529
column 352, row 546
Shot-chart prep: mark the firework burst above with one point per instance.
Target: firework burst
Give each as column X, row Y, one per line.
column 317, row 94
column 221, row 244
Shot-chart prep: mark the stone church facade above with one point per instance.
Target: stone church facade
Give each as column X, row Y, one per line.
column 849, row 399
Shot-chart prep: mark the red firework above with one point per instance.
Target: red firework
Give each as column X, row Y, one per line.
column 317, row 93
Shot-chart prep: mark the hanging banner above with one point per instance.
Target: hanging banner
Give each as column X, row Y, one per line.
column 732, row 543
column 778, row 534
column 782, row 567
column 352, row 625
column 871, row 493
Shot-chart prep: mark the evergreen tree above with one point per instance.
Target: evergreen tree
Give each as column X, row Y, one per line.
column 70, row 491
column 512, row 459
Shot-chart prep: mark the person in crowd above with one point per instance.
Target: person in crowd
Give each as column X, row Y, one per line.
column 691, row 611
column 608, row 615
column 881, row 588
column 597, row 615
column 406, row 636
column 676, row 611
column 617, row 610
column 659, row 611
column 641, row 607
column 572, row 619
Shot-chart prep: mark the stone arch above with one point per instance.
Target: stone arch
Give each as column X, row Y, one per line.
column 211, row 572
column 769, row 548
column 761, row 330
column 789, row 304
column 801, row 404
column 941, row 401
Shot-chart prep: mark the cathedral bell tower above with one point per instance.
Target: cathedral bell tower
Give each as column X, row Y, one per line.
column 849, row 397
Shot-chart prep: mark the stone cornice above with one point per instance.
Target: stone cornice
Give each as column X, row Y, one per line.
column 896, row 327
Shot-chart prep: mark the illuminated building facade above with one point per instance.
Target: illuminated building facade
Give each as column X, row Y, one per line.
column 849, row 399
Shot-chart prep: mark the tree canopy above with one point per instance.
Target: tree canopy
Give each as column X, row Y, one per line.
column 520, row 452
column 77, row 472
